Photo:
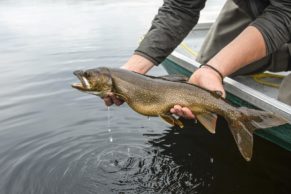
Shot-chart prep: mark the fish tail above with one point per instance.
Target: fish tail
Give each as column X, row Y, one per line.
column 244, row 121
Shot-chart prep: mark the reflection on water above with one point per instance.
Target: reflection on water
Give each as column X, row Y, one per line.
column 54, row 139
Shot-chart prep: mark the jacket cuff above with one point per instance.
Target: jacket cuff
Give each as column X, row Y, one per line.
column 140, row 53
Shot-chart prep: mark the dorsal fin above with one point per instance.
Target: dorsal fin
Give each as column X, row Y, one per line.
column 172, row 77
column 217, row 93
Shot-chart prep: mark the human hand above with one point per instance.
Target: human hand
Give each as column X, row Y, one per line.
column 203, row 77
column 111, row 99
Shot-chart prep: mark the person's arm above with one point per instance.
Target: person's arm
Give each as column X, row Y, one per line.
column 264, row 36
column 138, row 64
column 249, row 46
column 175, row 19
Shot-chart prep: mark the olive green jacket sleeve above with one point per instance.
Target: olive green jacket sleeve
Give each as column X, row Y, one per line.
column 275, row 24
column 174, row 21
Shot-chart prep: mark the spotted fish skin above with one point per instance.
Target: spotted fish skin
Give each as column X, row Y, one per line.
column 155, row 96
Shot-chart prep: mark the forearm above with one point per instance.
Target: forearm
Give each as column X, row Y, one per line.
column 138, row 64
column 248, row 47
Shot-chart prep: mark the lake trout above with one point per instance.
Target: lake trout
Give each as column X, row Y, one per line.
column 155, row 96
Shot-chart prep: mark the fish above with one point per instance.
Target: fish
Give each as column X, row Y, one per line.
column 155, row 96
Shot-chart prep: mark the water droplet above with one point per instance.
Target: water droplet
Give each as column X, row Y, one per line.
column 211, row 160
column 108, row 119
column 110, row 139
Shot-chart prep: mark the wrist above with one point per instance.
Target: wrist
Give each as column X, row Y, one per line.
column 138, row 64
column 213, row 69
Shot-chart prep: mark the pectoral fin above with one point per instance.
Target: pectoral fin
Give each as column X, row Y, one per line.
column 208, row 120
column 217, row 94
column 172, row 120
column 172, row 77
column 175, row 78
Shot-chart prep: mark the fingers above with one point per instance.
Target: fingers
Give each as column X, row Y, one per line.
column 187, row 113
column 112, row 99
column 108, row 101
column 177, row 110
column 117, row 101
column 182, row 111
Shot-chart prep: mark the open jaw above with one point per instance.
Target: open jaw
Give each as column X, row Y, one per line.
column 84, row 85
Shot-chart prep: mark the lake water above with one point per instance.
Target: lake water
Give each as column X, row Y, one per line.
column 54, row 139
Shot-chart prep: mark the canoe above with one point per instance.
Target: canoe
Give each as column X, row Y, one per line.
column 241, row 90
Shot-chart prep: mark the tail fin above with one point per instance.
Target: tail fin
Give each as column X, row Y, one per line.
column 244, row 122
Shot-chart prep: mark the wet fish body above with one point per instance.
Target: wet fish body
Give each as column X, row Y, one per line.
column 155, row 96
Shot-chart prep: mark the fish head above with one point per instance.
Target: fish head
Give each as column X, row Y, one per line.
column 94, row 81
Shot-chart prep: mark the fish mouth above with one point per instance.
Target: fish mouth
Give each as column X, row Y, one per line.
column 84, row 85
